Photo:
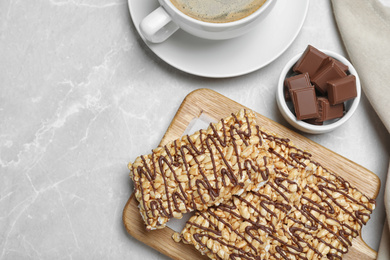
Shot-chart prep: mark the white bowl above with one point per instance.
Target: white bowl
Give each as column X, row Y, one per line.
column 329, row 125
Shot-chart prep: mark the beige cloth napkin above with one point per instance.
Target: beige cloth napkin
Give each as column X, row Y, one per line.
column 365, row 29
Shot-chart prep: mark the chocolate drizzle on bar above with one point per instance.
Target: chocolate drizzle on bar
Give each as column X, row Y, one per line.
column 208, row 187
column 256, row 195
column 288, row 240
column 290, row 217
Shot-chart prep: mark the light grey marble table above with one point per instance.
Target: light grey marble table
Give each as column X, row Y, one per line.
column 81, row 95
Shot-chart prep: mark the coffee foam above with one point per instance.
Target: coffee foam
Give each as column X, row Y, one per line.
column 218, row 11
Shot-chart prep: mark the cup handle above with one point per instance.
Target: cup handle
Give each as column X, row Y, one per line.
column 158, row 26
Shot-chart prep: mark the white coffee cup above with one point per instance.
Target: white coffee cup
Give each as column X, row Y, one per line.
column 167, row 19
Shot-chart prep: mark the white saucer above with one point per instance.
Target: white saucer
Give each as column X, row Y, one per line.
column 228, row 58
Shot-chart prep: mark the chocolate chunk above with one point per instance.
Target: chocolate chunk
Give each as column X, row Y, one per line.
column 330, row 71
column 310, row 61
column 305, row 103
column 341, row 65
column 327, row 111
column 338, row 63
column 296, row 82
column 341, row 90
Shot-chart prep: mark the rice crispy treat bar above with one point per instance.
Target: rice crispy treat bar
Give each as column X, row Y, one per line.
column 201, row 170
column 303, row 211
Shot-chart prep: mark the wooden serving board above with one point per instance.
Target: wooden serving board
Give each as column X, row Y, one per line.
column 217, row 106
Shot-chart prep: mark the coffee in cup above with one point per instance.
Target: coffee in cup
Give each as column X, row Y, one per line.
column 218, row 11
column 208, row 19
